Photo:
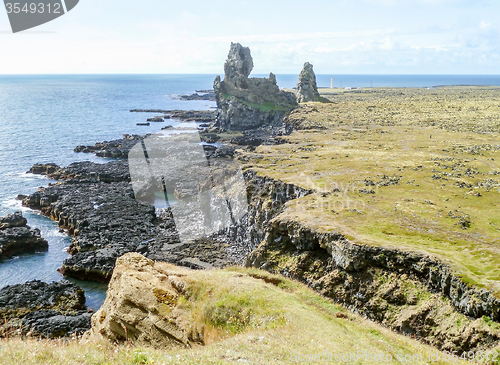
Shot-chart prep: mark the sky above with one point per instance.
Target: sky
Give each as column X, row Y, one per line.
column 336, row 36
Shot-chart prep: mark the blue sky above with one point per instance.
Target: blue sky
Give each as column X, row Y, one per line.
column 337, row 36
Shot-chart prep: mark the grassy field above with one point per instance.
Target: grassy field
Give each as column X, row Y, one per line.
column 252, row 317
column 410, row 168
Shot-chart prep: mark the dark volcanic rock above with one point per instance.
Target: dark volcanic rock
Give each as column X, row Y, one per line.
column 13, row 220
column 248, row 103
column 156, row 119
column 105, row 219
column 246, row 141
column 209, row 96
column 118, row 148
column 45, row 310
column 44, row 169
column 17, row 238
column 96, row 204
column 205, row 116
column 113, row 171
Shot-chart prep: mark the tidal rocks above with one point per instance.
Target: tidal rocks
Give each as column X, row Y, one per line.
column 45, row 310
column 96, row 205
column 307, row 90
column 245, row 103
column 118, row 148
column 203, row 116
column 156, row 119
column 114, row 171
column 44, row 169
column 105, row 219
column 17, row 238
column 208, row 95
column 141, row 305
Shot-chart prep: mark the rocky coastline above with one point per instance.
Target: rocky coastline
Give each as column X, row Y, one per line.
column 354, row 275
column 95, row 204
column 410, row 292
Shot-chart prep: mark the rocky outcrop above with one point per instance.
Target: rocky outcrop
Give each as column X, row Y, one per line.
column 245, row 103
column 44, row 310
column 141, row 304
column 104, row 218
column 114, row 171
column 17, row 238
column 307, row 90
column 409, row 292
column 267, row 198
column 198, row 116
column 209, row 95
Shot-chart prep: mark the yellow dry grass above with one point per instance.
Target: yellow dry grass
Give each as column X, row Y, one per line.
column 294, row 321
column 410, row 168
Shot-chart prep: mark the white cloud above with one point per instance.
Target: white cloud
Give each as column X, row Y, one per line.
column 484, row 25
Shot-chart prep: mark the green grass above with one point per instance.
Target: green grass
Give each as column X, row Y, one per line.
column 408, row 168
column 272, row 318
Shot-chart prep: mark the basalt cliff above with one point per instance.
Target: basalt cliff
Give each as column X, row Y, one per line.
column 245, row 103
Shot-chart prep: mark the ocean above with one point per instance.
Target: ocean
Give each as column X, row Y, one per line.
column 43, row 118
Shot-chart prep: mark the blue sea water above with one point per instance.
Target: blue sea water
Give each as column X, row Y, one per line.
column 43, row 118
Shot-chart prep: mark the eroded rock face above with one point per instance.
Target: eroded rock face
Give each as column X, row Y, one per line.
column 307, row 90
column 409, row 292
column 245, row 103
column 17, row 238
column 45, row 310
column 140, row 304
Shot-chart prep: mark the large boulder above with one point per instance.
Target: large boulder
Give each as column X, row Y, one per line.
column 140, row 304
column 245, row 103
column 17, row 238
column 44, row 310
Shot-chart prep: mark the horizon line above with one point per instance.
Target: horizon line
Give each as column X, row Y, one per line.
column 215, row 73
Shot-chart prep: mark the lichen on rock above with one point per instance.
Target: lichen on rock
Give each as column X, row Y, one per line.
column 140, row 304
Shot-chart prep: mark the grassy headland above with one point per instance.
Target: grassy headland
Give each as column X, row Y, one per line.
column 415, row 169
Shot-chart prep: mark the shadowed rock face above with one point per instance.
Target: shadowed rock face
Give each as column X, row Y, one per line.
column 307, row 90
column 248, row 103
column 18, row 238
